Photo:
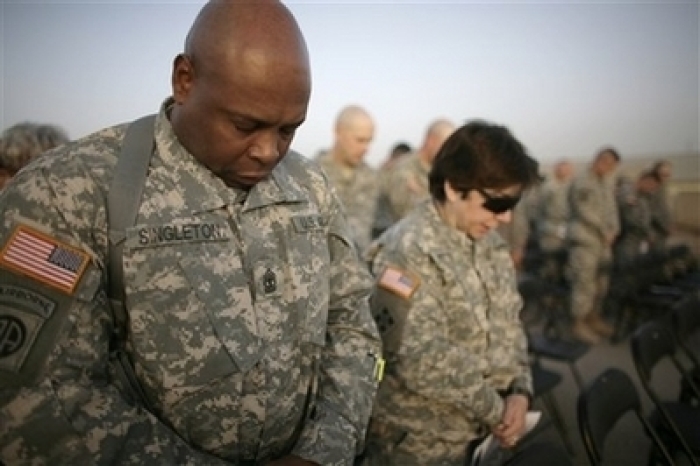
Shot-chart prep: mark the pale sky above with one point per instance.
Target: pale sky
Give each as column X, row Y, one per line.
column 566, row 77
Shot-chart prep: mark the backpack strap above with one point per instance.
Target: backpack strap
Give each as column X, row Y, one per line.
column 123, row 202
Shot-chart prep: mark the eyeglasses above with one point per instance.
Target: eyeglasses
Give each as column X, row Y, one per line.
column 499, row 204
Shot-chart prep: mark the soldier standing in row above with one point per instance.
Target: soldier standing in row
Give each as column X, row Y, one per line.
column 552, row 221
column 19, row 144
column 355, row 182
column 593, row 229
column 660, row 206
column 408, row 183
column 634, row 199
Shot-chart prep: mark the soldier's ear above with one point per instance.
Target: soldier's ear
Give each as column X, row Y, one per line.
column 182, row 78
column 451, row 194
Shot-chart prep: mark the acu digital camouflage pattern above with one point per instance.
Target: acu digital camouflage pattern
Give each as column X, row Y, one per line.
column 636, row 230
column 249, row 321
column 661, row 218
column 593, row 209
column 462, row 341
column 357, row 188
column 552, row 214
column 406, row 186
column 594, row 216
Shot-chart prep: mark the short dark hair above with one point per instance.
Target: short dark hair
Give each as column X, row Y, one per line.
column 481, row 155
column 399, row 149
column 609, row 150
column 650, row 174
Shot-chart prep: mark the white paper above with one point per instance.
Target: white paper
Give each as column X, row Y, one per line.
column 490, row 446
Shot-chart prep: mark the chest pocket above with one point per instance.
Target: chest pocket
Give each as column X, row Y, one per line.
column 308, row 259
column 464, row 298
column 191, row 313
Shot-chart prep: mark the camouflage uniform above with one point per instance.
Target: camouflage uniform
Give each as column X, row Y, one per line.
column 248, row 317
column 407, row 186
column 661, row 221
column 383, row 215
column 357, row 189
column 516, row 233
column 552, row 218
column 593, row 217
column 452, row 336
column 553, row 215
column 635, row 224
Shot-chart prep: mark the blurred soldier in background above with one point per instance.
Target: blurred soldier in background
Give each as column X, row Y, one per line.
column 383, row 216
column 397, row 153
column 50, row 136
column 594, row 226
column 634, row 199
column 552, row 220
column 517, row 232
column 660, row 206
column 354, row 180
column 22, row 142
column 408, row 182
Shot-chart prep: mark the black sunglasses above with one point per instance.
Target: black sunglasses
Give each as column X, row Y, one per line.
column 499, row 204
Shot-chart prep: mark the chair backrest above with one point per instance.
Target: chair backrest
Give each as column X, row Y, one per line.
column 686, row 321
column 544, row 303
column 652, row 343
column 602, row 404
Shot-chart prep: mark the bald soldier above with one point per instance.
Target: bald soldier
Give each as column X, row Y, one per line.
column 247, row 327
column 356, row 183
column 407, row 186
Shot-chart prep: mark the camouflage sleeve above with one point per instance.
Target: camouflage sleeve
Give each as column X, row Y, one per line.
column 58, row 404
column 429, row 362
column 661, row 211
column 634, row 214
column 613, row 224
column 402, row 192
column 520, row 228
column 586, row 209
column 336, row 431
column 510, row 365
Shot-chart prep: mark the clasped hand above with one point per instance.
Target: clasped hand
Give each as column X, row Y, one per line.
column 512, row 425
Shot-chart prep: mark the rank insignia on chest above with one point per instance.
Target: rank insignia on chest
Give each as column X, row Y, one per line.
column 269, row 282
column 45, row 259
column 398, row 282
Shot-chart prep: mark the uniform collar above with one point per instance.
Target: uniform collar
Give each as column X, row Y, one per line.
column 207, row 191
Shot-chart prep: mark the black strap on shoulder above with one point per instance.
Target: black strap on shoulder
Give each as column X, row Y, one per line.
column 123, row 203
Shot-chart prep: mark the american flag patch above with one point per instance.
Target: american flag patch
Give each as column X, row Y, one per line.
column 44, row 258
column 398, row 282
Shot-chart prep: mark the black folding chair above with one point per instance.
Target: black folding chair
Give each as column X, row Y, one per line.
column 544, row 382
column 549, row 342
column 677, row 422
column 685, row 325
column 602, row 404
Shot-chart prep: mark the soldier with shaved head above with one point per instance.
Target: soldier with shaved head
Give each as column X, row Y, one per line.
column 355, row 182
column 407, row 185
column 244, row 336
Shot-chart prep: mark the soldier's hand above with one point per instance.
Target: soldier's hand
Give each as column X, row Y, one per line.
column 610, row 239
column 512, row 425
column 291, row 460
